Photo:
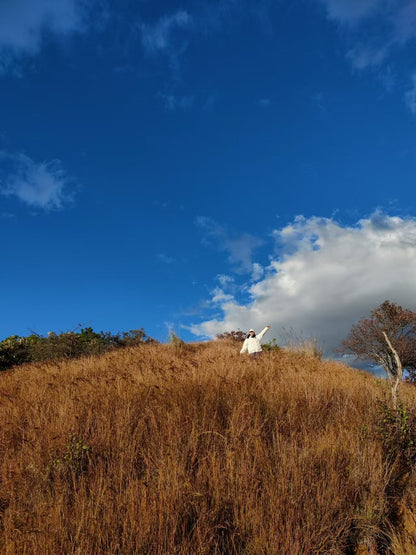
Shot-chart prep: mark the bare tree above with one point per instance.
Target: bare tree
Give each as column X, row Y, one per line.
column 387, row 338
column 233, row 335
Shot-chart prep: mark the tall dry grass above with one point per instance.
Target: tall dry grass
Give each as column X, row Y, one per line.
column 192, row 450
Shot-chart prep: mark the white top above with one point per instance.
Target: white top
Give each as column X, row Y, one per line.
column 253, row 344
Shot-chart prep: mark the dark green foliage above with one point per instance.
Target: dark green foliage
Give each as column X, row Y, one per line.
column 271, row 346
column 16, row 350
column 71, row 461
column 397, row 433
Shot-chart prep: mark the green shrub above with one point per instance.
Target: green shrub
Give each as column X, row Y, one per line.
column 397, row 433
column 71, row 461
column 271, row 346
column 175, row 340
column 16, row 350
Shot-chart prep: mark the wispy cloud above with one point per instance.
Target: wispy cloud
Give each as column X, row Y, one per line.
column 264, row 102
column 326, row 277
column 411, row 96
column 240, row 247
column 171, row 34
column 165, row 37
column 160, row 36
column 225, row 280
column 404, row 21
column 224, row 292
column 43, row 185
column 164, row 258
column 364, row 56
column 376, row 31
column 219, row 296
column 257, row 272
column 23, row 24
column 351, row 11
column 173, row 102
column 393, row 24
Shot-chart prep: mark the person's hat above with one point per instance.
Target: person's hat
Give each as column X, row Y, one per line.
column 250, row 330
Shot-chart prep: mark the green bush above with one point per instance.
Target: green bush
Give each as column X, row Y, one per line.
column 271, row 346
column 16, row 350
column 397, row 433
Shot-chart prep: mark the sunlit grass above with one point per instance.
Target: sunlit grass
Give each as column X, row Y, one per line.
column 192, row 449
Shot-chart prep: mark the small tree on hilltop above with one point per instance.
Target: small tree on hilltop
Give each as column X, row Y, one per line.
column 232, row 335
column 387, row 338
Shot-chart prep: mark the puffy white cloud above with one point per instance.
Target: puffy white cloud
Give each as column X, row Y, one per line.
column 24, row 22
column 327, row 277
column 40, row 185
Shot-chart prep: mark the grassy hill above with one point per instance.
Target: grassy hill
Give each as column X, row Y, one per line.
column 193, row 449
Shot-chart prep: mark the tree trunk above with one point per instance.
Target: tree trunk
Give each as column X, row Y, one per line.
column 396, row 372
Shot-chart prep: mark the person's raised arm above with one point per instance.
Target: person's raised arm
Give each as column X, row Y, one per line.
column 260, row 335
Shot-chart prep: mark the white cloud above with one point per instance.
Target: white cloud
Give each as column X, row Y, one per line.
column 40, row 185
column 327, row 277
column 225, row 281
column 257, row 272
column 219, row 296
column 240, row 248
column 24, row 22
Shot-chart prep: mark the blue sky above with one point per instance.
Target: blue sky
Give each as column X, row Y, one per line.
column 206, row 165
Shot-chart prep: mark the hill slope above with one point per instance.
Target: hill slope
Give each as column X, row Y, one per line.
column 193, row 449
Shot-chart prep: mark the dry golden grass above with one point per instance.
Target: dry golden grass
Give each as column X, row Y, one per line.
column 192, row 450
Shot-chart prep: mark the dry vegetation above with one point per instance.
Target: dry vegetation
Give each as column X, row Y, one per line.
column 192, row 449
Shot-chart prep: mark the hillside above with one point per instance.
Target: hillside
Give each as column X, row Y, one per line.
column 192, row 449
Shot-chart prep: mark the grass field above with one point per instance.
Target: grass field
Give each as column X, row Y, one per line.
column 193, row 449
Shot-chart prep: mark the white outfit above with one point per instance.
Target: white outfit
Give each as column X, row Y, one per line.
column 253, row 344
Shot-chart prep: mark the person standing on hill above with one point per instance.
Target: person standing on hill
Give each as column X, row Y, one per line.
column 252, row 343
